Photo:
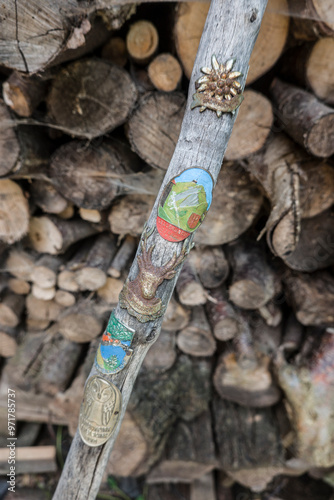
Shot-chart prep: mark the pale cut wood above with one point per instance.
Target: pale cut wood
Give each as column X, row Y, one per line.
column 110, row 291
column 83, row 93
column 14, row 213
column 307, row 120
column 189, row 289
column 202, row 142
column 134, row 208
column 36, row 325
column 211, row 265
column 66, row 281
column 45, row 196
column 176, row 317
column 223, row 317
column 252, row 126
column 43, row 293
column 142, row 41
column 272, row 37
column 64, row 298
column 45, row 310
column 123, row 255
column 54, row 235
column 162, row 354
column 90, row 215
column 8, row 341
column 44, row 272
column 9, row 144
column 316, row 188
column 165, row 72
column 30, row 459
column 80, row 323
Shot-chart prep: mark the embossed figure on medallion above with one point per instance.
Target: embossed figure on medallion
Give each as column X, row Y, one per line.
column 139, row 296
column 99, row 412
column 114, row 350
column 218, row 89
column 184, row 204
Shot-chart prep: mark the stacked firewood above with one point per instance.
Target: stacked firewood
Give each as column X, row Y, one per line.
column 236, row 397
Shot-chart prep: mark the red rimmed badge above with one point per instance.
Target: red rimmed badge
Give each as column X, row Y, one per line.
column 184, row 204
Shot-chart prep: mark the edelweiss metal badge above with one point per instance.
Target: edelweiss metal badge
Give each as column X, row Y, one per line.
column 99, row 412
column 218, row 89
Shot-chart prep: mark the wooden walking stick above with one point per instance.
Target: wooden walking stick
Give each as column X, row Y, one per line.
column 216, row 85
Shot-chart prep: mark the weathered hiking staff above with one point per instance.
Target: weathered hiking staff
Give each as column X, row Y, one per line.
column 185, row 196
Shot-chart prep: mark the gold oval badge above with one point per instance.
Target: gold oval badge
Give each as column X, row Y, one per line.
column 99, row 412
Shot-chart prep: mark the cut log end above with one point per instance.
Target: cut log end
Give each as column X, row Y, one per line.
column 165, row 72
column 142, row 41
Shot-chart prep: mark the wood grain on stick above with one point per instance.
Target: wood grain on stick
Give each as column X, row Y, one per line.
column 230, row 32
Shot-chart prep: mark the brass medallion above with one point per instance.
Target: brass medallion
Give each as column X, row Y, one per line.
column 99, row 412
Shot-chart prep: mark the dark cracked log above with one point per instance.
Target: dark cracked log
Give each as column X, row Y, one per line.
column 14, row 213
column 83, row 93
column 231, row 32
column 307, row 120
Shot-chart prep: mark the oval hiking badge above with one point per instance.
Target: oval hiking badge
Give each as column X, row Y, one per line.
column 184, row 204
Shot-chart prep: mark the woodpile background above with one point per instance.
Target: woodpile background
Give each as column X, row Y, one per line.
column 236, row 398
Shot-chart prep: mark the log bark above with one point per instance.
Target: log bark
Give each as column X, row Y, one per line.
column 90, row 176
column 123, row 255
column 165, row 72
column 46, row 197
column 83, row 93
column 154, row 127
column 54, row 235
column 189, row 25
column 311, row 66
column 20, row 263
column 23, row 94
column 142, row 41
column 304, row 381
column 234, row 207
column 307, row 120
column 252, row 127
column 203, row 140
column 311, row 297
column 196, row 338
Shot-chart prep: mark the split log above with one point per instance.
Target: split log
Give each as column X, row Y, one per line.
column 305, row 381
column 311, row 66
column 307, row 120
column 162, row 355
column 315, row 248
column 23, row 94
column 46, row 197
column 115, row 51
column 110, row 291
column 247, row 438
column 11, row 308
column 312, row 19
column 224, row 319
column 211, row 265
column 252, row 126
column 14, row 215
column 93, row 274
column 80, row 323
column 196, row 338
column 122, row 257
column 188, row 287
column 45, row 270
column 133, row 208
column 20, row 287
column 90, row 175
column 176, row 317
column 44, row 362
column 142, row 41
column 277, row 172
column 243, row 376
column 253, row 281
column 189, row 454
column 154, row 127
column 189, row 25
column 155, row 405
column 203, row 142
column 68, row 213
column 311, row 297
column 54, row 235
column 42, row 310
column 235, row 205
column 64, row 298
column 165, row 72
column 8, row 341
column 83, row 93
